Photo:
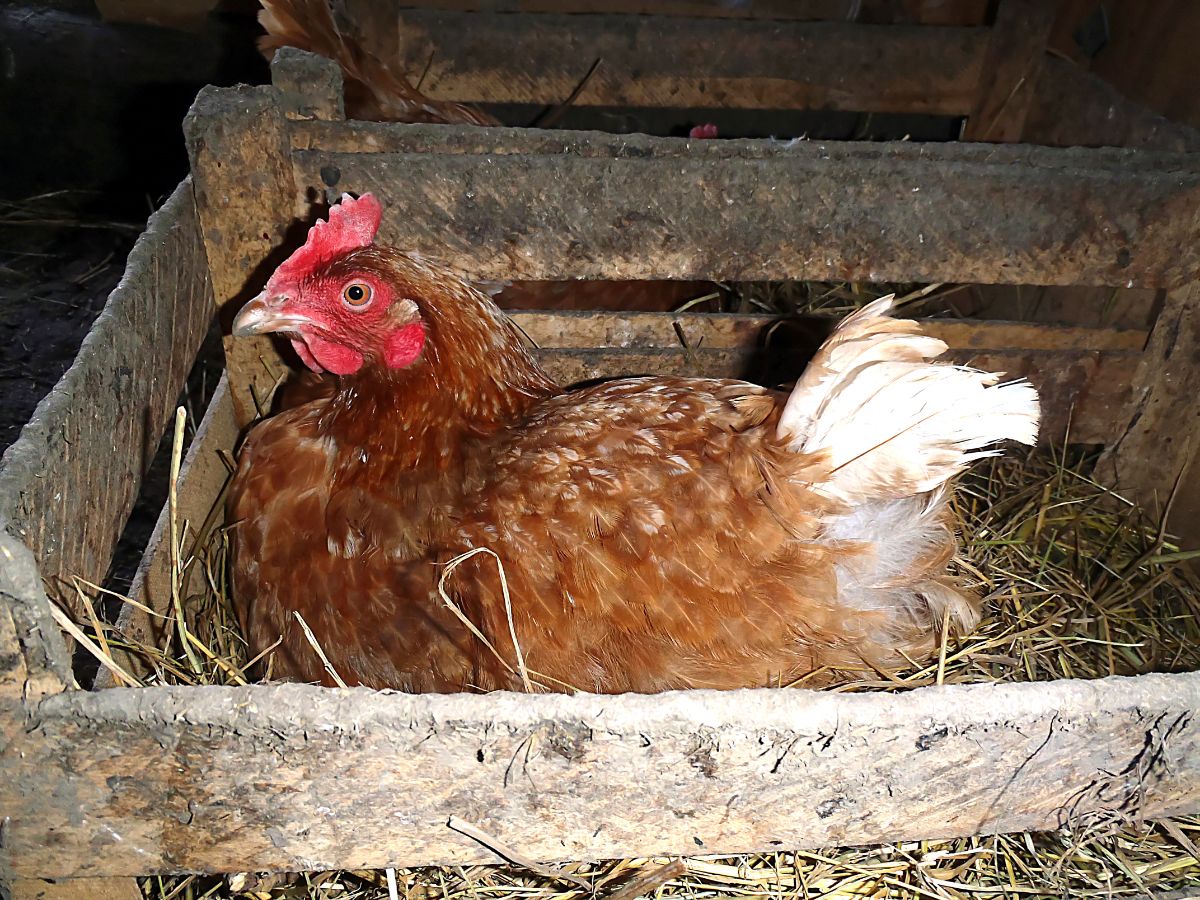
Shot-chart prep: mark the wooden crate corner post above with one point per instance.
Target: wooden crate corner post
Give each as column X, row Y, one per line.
column 1153, row 457
column 310, row 86
column 239, row 149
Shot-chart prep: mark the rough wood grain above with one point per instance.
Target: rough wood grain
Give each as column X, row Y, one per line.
column 1158, row 433
column 238, row 149
column 1074, row 108
column 295, row 777
column 499, row 206
column 202, row 479
column 665, row 61
column 310, row 86
column 68, row 483
column 1015, row 55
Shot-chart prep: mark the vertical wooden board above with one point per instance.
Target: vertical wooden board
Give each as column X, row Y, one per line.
column 310, row 85
column 69, row 481
column 1159, row 437
column 33, row 657
column 240, row 154
column 1010, row 70
column 202, row 479
column 1074, row 108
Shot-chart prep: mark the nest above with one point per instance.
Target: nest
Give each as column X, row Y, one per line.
column 1078, row 584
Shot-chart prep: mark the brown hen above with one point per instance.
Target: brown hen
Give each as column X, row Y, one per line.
column 653, row 533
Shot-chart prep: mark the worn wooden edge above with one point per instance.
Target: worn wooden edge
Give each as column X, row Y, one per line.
column 667, row 61
column 34, row 659
column 68, row 483
column 310, row 85
column 151, row 780
column 202, row 478
column 1074, row 108
column 239, row 152
column 641, row 208
column 389, row 137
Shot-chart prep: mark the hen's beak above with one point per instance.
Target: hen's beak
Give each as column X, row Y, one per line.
column 265, row 314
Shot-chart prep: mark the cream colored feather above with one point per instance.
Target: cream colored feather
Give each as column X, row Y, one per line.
column 892, row 422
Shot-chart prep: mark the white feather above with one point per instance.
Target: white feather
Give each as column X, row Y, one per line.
column 892, row 422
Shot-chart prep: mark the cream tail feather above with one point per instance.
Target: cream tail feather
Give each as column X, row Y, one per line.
column 896, row 427
column 893, row 423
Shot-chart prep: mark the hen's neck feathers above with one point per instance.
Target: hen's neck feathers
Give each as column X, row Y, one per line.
column 475, row 375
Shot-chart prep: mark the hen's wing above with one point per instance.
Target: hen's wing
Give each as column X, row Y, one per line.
column 656, row 534
column 372, row 617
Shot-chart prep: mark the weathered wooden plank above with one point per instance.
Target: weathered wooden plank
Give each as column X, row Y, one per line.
column 635, row 207
column 386, row 137
column 1158, row 433
column 665, row 61
column 238, row 147
column 68, row 483
column 1013, row 63
column 170, row 779
column 1074, row 108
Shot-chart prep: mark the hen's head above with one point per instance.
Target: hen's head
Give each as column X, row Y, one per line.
column 338, row 299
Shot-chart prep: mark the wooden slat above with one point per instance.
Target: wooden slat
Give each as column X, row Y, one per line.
column 1157, row 435
column 1010, row 72
column 294, row 777
column 68, row 483
column 664, row 61
column 310, row 86
column 499, row 206
column 238, row 147
column 202, row 479
column 1073, row 108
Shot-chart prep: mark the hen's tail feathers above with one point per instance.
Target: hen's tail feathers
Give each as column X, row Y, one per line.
column 893, row 423
column 375, row 90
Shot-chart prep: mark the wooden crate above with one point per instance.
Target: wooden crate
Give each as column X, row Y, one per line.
column 120, row 782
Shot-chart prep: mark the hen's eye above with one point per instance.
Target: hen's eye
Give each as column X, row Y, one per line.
column 357, row 294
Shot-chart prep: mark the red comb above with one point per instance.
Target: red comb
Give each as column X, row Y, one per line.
column 352, row 224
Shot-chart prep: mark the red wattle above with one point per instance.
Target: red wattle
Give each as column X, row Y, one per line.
column 404, row 345
column 336, row 358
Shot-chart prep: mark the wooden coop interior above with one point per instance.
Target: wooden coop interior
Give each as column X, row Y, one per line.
column 1057, row 182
